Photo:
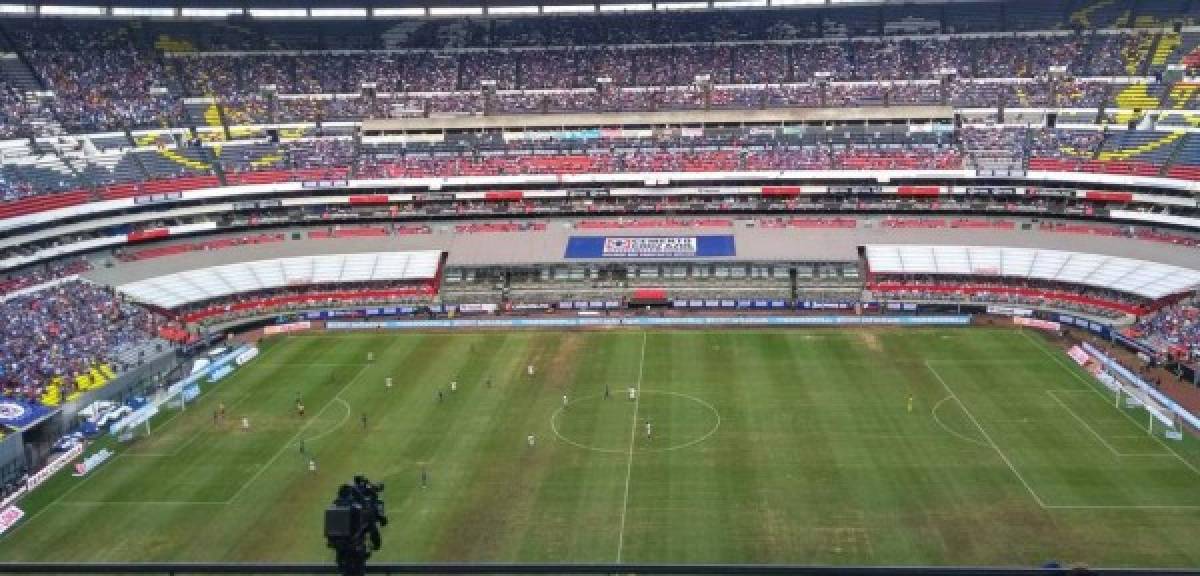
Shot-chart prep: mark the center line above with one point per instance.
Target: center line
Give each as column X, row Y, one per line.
column 637, row 400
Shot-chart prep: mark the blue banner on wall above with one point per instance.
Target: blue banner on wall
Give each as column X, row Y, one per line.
column 19, row 414
column 650, row 246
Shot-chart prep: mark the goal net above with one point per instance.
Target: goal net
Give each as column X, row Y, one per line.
column 1162, row 414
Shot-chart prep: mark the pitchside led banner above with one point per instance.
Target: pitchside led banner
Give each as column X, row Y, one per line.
column 650, row 246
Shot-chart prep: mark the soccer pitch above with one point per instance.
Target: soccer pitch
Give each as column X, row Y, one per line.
column 793, row 446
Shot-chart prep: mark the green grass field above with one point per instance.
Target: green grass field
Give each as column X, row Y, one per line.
column 767, row 446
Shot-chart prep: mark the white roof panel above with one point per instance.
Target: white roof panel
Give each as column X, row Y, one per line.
column 1144, row 278
column 174, row 290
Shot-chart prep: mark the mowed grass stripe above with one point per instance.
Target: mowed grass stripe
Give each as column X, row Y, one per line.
column 817, row 459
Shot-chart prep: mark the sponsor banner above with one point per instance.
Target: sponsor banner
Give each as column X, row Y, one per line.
column 199, row 365
column 530, row 306
column 1009, row 311
column 325, row 184
column 286, row 328
column 92, row 462
column 945, row 320
column 811, row 305
column 18, row 414
column 1130, row 377
column 190, row 393
column 650, row 246
column 1035, row 323
column 58, row 463
column 243, row 357
column 1078, row 355
column 220, row 373
column 9, row 518
column 477, row 308
column 157, row 198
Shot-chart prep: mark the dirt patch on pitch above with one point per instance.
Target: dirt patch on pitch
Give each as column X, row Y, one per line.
column 870, row 340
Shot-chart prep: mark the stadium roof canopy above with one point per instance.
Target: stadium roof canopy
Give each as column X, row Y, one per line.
column 174, row 290
column 385, row 9
column 1146, row 279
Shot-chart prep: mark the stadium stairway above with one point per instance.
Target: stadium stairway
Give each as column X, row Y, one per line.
column 1147, row 146
column 1180, row 96
column 1083, row 16
column 1166, row 48
column 1134, row 97
column 1138, row 57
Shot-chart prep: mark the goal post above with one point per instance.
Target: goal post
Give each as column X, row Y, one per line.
column 1163, row 415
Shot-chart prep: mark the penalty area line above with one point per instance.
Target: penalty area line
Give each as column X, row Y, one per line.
column 1092, row 387
column 986, row 436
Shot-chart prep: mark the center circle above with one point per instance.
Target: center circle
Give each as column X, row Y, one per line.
column 603, row 424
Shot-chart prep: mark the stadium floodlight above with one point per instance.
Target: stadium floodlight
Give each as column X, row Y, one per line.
column 57, row 10
column 397, row 12
column 279, row 12
column 210, row 12
column 338, row 12
column 16, row 9
column 626, row 7
column 568, row 8
column 143, row 11
column 456, row 11
column 797, row 2
column 512, row 10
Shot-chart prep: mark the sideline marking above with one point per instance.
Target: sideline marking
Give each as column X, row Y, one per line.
column 1092, row 387
column 632, row 438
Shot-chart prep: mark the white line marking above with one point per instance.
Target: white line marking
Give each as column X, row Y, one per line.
column 637, row 400
column 681, row 446
column 987, row 437
column 1092, row 387
column 1106, row 444
column 292, row 441
column 933, row 411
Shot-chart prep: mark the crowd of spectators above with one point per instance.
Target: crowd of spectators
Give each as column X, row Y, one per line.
column 989, row 290
column 65, row 331
column 42, row 273
column 1174, row 328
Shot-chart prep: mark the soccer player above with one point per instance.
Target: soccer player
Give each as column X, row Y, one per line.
column 529, row 369
column 214, row 417
column 564, row 400
column 454, row 385
column 440, row 395
column 364, row 420
column 245, row 423
column 648, row 429
column 910, row 402
column 299, row 408
column 312, row 465
column 632, row 393
column 388, row 382
column 531, row 440
column 489, row 382
column 606, row 391
column 221, row 410
column 424, row 477
column 370, row 356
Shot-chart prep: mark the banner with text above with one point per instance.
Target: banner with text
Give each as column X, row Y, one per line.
column 650, row 246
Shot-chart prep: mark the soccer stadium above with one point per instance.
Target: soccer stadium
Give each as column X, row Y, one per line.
column 617, row 287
